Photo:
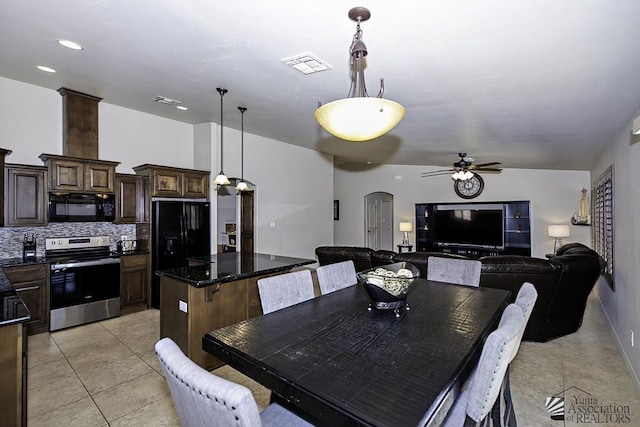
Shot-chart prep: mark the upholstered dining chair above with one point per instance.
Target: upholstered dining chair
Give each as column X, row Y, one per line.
column 202, row 398
column 479, row 402
column 526, row 299
column 283, row 290
column 452, row 270
column 333, row 277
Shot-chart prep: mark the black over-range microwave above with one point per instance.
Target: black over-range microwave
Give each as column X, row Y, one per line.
column 79, row 207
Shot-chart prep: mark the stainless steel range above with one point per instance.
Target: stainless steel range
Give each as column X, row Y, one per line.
column 85, row 280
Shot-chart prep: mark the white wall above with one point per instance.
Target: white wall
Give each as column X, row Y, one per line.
column 294, row 191
column 31, row 123
column 621, row 305
column 294, row 184
column 554, row 196
column 134, row 138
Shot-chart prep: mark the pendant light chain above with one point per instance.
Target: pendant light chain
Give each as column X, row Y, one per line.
column 242, row 110
column 221, row 92
column 242, row 185
column 221, row 179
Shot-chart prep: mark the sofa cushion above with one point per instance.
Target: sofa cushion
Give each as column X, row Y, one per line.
column 360, row 256
column 383, row 257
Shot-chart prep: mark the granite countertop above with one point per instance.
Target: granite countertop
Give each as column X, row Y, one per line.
column 231, row 266
column 14, row 310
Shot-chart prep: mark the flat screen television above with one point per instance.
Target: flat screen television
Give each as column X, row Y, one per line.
column 480, row 226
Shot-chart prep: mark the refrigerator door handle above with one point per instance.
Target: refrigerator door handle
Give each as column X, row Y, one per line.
column 183, row 240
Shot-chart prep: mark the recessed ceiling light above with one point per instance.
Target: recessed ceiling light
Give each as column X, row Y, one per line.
column 45, row 69
column 180, row 107
column 71, row 45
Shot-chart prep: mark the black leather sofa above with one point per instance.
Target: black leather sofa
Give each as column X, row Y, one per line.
column 563, row 282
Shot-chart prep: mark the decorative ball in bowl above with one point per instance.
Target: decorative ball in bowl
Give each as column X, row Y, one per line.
column 387, row 286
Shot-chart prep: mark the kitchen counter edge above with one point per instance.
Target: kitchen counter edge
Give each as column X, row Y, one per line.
column 181, row 274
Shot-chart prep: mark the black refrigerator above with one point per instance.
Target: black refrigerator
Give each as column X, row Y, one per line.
column 180, row 231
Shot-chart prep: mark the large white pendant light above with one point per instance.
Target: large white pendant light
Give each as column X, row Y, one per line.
column 358, row 117
column 221, row 179
column 242, row 186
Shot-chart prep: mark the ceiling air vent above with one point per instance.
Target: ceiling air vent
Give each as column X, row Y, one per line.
column 306, row 63
column 164, row 100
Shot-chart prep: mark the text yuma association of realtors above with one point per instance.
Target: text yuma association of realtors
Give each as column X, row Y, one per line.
column 589, row 410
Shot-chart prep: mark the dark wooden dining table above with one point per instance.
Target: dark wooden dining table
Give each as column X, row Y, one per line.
column 345, row 365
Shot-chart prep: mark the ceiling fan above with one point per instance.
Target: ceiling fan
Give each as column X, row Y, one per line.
column 464, row 165
column 467, row 181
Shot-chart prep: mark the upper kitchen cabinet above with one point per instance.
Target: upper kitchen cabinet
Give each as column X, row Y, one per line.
column 77, row 175
column 168, row 181
column 25, row 195
column 132, row 199
column 3, row 154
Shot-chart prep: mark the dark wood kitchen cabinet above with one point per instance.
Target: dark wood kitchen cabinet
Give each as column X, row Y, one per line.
column 25, row 195
column 13, row 375
column 78, row 175
column 31, row 282
column 132, row 199
column 165, row 181
column 3, row 153
column 134, row 282
column 195, row 184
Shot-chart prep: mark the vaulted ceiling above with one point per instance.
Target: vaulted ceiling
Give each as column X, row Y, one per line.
column 536, row 84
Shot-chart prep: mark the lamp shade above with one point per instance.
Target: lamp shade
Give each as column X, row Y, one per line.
column 406, row 226
column 558, row 230
column 221, row 179
column 359, row 119
column 242, row 186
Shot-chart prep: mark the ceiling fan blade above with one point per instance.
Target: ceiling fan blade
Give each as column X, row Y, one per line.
column 427, row 175
column 495, row 170
column 438, row 172
column 481, row 165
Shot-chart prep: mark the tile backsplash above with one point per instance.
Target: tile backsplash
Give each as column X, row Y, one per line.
column 11, row 238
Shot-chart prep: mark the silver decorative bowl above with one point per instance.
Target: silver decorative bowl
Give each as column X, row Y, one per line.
column 387, row 286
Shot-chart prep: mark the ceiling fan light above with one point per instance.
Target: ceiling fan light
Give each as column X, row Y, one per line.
column 467, row 175
column 221, row 179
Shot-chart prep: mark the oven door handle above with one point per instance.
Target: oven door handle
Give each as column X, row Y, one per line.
column 91, row 263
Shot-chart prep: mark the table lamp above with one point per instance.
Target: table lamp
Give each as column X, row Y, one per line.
column 558, row 231
column 406, row 227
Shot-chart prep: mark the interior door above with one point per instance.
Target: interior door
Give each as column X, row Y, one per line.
column 246, row 222
column 379, row 221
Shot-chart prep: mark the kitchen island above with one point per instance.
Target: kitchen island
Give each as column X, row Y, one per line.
column 13, row 363
column 212, row 292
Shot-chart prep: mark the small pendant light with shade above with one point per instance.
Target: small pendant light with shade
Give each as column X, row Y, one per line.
column 221, row 179
column 242, row 185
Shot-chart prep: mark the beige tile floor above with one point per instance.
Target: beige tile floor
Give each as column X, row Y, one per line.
column 107, row 374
